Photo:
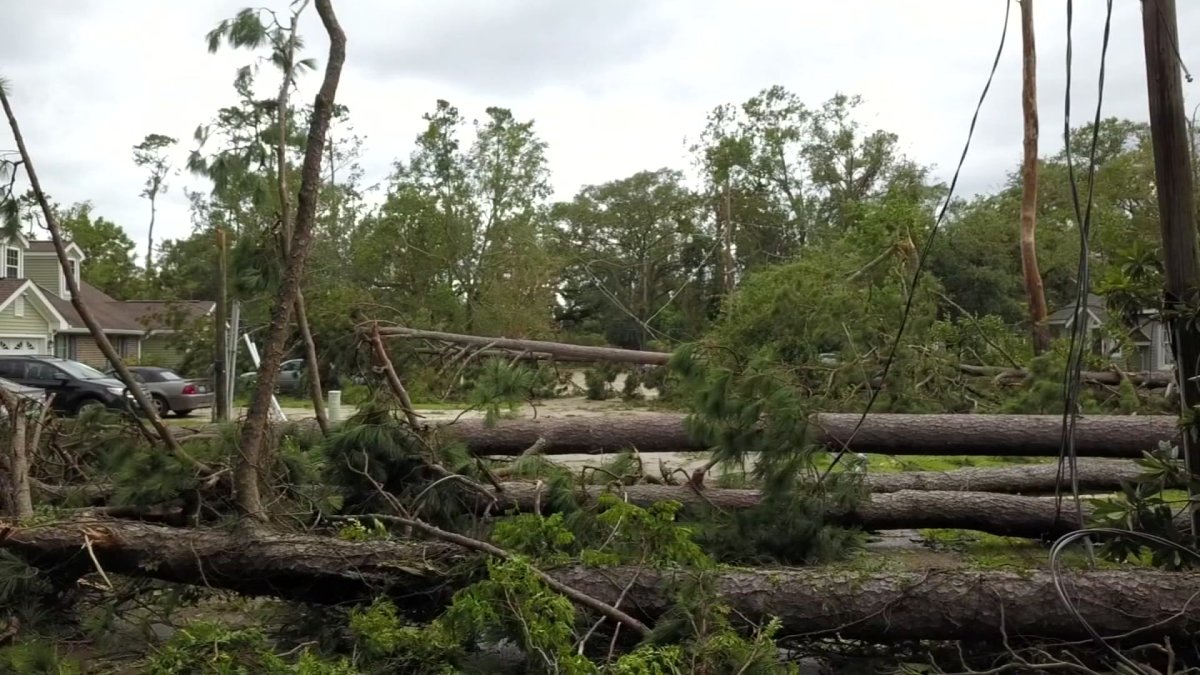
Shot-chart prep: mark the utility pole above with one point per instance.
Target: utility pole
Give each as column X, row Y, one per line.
column 1176, row 213
column 221, row 333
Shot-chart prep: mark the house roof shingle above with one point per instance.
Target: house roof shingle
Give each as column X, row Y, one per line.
column 8, row 286
column 1095, row 304
column 133, row 315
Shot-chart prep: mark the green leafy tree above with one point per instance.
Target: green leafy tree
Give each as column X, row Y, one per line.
column 460, row 240
column 625, row 246
column 110, row 264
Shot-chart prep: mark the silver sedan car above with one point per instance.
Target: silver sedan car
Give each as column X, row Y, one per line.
column 171, row 392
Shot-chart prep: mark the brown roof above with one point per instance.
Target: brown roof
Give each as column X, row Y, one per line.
column 41, row 247
column 10, row 286
column 134, row 315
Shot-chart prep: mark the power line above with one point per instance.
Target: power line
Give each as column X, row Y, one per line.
column 1072, row 380
column 925, row 249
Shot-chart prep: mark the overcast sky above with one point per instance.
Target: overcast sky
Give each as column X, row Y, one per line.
column 615, row 86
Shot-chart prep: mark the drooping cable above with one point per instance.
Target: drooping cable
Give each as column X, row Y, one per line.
column 1066, row 540
column 925, row 249
column 1072, row 377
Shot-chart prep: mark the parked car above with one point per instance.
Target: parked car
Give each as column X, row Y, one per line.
column 171, row 392
column 76, row 386
column 290, row 380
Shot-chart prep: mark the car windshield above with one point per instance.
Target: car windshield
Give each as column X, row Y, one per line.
column 81, row 370
column 168, row 376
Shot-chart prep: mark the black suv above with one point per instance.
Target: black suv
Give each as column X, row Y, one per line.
column 75, row 386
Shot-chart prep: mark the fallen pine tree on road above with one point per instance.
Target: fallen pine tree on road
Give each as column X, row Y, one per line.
column 888, row 434
column 995, row 513
column 946, row 604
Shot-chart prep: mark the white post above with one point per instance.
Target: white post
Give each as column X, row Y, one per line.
column 231, row 345
column 334, row 406
column 254, row 357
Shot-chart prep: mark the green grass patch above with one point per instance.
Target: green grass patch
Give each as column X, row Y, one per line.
column 988, row 551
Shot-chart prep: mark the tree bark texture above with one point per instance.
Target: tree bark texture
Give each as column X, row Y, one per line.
column 311, row 568
column 286, row 224
column 885, row 433
column 253, row 462
column 540, row 349
column 949, row 604
column 1015, row 376
column 16, row 495
column 1177, row 211
column 19, row 464
column 1034, row 291
column 313, row 365
column 556, row 349
column 1094, row 475
column 383, row 361
column 995, row 513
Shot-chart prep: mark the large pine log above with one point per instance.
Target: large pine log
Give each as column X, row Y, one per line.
column 555, row 349
column 1093, row 475
column 934, row 604
column 569, row 352
column 888, row 434
column 1155, row 379
column 316, row 569
column 991, row 512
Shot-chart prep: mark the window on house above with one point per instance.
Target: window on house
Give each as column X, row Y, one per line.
column 74, row 272
column 12, row 263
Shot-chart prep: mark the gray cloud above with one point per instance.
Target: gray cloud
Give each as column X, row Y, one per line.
column 615, row 86
column 510, row 47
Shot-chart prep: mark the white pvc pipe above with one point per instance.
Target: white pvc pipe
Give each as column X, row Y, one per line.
column 334, row 406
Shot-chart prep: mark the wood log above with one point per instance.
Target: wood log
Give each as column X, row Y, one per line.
column 312, row 568
column 1156, row 379
column 510, row 354
column 994, row 513
column 556, row 349
column 1094, row 475
column 886, row 434
column 569, row 352
column 948, row 604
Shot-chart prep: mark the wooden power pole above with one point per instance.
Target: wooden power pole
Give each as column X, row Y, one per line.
column 221, row 335
column 1176, row 213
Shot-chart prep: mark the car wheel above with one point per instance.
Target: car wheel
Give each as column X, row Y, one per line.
column 160, row 406
column 183, row 413
column 88, row 404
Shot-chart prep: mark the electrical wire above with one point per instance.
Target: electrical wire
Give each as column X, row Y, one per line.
column 925, row 249
column 1056, row 574
column 1072, row 377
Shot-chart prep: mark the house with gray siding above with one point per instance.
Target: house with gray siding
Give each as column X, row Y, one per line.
column 38, row 317
column 1149, row 338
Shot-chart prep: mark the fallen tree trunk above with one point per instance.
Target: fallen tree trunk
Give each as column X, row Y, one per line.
column 974, row 605
column 887, row 434
column 297, row 566
column 1093, row 475
column 1147, row 379
column 508, row 355
column 556, row 349
column 1000, row 514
